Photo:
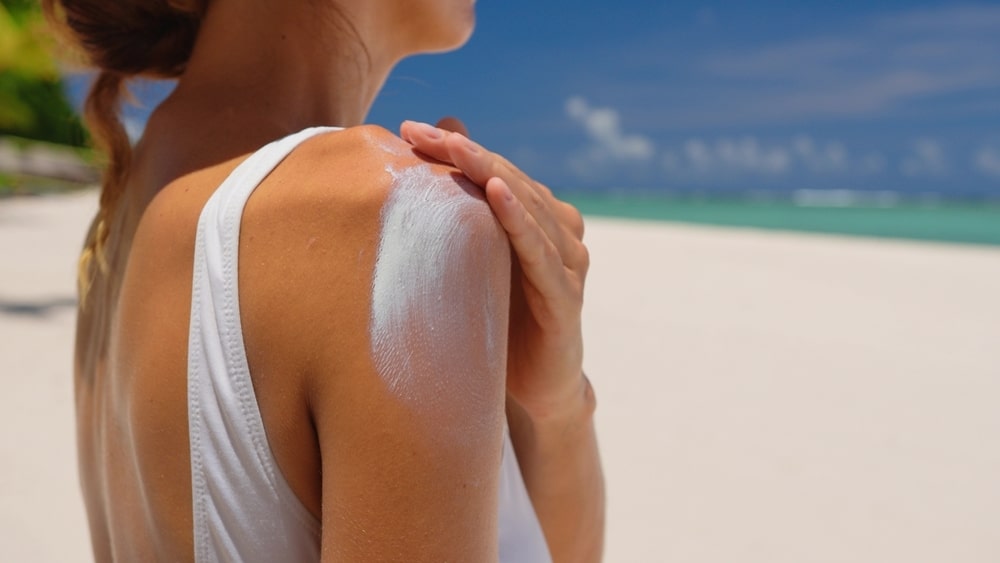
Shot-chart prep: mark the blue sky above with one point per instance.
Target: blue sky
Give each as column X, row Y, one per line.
column 726, row 95
column 766, row 95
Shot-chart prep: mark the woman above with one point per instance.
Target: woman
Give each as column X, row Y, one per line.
column 301, row 351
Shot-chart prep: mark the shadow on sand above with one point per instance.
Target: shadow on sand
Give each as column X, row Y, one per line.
column 35, row 308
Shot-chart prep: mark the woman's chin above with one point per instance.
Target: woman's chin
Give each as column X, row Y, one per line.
column 461, row 33
column 437, row 28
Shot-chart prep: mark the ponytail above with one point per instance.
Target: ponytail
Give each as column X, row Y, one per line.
column 121, row 39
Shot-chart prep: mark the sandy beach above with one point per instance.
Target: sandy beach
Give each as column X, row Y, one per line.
column 763, row 397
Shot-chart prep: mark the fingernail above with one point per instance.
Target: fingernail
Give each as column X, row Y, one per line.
column 428, row 130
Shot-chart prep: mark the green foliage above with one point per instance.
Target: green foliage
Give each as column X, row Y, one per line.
column 32, row 102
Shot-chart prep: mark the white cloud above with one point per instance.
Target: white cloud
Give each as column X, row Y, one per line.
column 697, row 158
column 962, row 19
column 777, row 59
column 873, row 65
column 747, row 154
column 603, row 127
column 926, row 159
column 725, row 156
column 698, row 154
column 987, row 160
column 831, row 157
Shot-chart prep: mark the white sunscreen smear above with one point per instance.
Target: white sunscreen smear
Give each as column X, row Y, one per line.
column 433, row 319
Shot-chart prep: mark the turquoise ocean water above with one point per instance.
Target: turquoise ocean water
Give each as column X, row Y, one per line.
column 972, row 223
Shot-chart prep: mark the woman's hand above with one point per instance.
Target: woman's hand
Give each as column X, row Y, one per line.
column 549, row 400
column 545, row 361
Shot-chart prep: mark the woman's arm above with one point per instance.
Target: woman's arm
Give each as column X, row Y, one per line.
column 409, row 404
column 550, row 402
column 561, row 465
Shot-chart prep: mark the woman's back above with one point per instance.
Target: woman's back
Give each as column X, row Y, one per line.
column 308, row 252
column 377, row 289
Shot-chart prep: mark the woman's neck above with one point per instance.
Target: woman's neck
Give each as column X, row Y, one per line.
column 288, row 65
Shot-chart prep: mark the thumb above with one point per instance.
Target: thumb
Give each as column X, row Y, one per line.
column 452, row 124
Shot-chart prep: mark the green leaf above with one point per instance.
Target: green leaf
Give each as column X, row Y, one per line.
column 32, row 102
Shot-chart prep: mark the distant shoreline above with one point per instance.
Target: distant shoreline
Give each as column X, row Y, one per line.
column 941, row 221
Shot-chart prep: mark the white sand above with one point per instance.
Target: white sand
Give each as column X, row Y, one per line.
column 41, row 513
column 764, row 397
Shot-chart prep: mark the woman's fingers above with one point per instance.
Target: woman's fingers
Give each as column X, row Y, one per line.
column 450, row 144
column 560, row 221
column 539, row 258
column 480, row 165
column 472, row 159
column 453, row 124
column 426, row 139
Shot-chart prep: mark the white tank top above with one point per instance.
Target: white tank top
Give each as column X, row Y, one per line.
column 244, row 509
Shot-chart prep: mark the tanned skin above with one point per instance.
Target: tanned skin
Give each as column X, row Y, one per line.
column 387, row 491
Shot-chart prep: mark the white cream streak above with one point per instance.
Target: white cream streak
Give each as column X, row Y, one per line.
column 440, row 294
column 435, row 291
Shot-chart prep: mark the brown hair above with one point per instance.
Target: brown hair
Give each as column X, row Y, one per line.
column 122, row 39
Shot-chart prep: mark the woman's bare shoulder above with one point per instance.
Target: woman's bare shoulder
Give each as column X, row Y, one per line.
column 322, row 233
column 348, row 188
column 364, row 168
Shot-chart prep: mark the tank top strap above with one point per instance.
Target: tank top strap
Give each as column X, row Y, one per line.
column 244, row 509
column 225, row 207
